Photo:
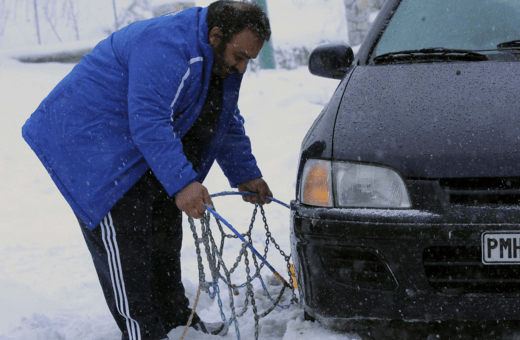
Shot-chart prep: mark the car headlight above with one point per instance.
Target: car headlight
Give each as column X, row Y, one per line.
column 354, row 185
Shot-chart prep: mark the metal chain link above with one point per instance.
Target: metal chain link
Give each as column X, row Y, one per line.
column 287, row 258
column 216, row 263
column 202, row 277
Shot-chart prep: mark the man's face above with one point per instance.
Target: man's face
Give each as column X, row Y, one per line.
column 233, row 56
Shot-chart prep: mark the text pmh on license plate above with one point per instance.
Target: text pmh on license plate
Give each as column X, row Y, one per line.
column 501, row 247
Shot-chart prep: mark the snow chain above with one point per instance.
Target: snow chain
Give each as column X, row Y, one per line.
column 216, row 265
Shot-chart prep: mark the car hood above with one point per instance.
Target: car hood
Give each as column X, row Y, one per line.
column 433, row 120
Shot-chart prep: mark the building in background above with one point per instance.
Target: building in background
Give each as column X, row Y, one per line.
column 358, row 18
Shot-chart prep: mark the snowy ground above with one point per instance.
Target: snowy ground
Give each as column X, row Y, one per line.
column 48, row 286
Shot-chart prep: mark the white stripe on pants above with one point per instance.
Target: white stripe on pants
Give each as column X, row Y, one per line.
column 116, row 273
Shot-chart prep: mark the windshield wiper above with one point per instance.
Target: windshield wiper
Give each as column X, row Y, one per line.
column 509, row 44
column 429, row 54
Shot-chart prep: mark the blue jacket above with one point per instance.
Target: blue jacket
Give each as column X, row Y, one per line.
column 124, row 109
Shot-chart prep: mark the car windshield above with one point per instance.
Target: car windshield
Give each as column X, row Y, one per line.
column 454, row 24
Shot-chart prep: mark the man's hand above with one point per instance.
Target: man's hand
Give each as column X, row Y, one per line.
column 257, row 186
column 193, row 199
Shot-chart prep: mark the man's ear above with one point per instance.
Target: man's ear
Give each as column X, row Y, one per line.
column 215, row 37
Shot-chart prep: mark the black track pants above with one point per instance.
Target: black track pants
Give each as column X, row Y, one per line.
column 136, row 252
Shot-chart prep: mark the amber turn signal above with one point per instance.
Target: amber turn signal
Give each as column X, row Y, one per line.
column 316, row 185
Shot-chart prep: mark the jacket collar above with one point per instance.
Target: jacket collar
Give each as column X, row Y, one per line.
column 207, row 51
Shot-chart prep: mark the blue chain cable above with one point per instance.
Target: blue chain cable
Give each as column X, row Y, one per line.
column 270, row 298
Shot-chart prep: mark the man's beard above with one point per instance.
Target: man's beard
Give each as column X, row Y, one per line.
column 219, row 64
column 218, row 60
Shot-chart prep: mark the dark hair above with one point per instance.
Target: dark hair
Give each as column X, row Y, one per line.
column 233, row 16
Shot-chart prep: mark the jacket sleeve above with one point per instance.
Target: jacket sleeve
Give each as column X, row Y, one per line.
column 235, row 157
column 158, row 70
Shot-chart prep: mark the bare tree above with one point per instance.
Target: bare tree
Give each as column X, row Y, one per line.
column 115, row 14
column 37, row 22
column 72, row 14
column 137, row 10
column 49, row 10
column 4, row 16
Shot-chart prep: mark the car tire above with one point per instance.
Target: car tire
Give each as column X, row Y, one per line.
column 308, row 317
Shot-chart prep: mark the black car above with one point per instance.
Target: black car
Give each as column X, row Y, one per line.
column 408, row 189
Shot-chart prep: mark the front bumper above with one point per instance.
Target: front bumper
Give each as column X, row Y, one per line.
column 429, row 264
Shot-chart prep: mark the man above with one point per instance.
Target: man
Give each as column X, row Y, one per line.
column 129, row 136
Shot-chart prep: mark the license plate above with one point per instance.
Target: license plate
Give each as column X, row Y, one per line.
column 501, row 247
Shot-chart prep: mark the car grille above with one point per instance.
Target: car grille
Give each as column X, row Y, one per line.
column 357, row 266
column 459, row 270
column 482, row 191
